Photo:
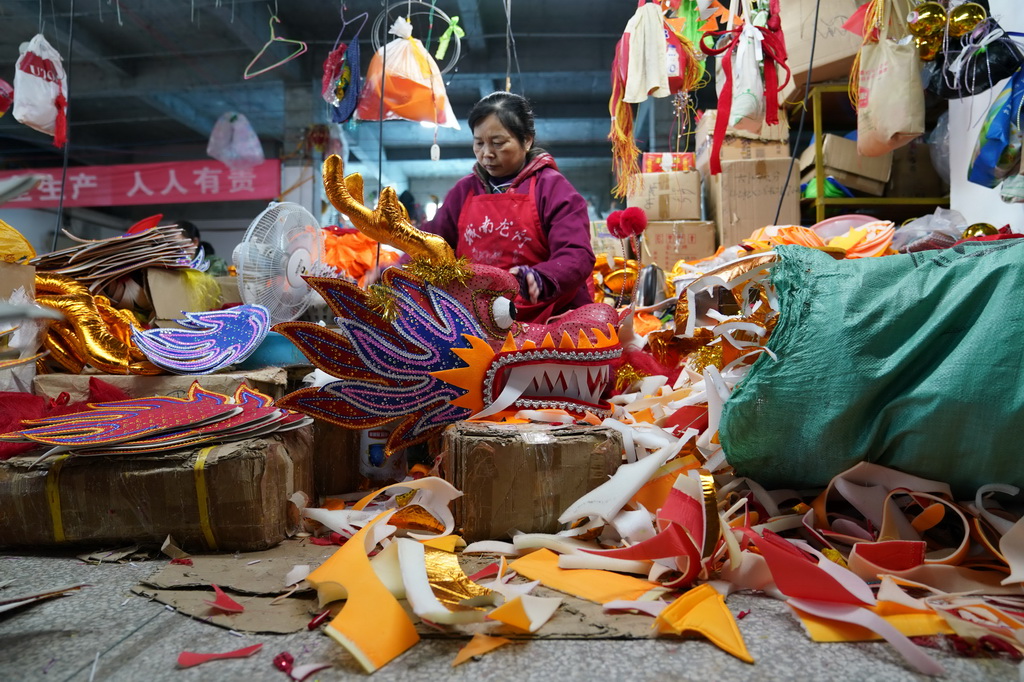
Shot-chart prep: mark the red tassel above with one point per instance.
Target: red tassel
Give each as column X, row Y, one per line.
column 60, row 129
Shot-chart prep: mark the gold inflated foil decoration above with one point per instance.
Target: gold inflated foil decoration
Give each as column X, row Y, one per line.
column 95, row 333
column 13, row 245
column 388, row 223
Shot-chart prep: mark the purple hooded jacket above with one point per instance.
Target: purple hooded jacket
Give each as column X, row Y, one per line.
column 563, row 217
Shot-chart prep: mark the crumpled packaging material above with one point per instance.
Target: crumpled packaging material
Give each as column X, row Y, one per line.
column 235, row 498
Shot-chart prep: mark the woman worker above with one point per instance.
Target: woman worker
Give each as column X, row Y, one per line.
column 516, row 211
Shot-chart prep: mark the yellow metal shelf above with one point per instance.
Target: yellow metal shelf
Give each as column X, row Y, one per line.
column 820, row 201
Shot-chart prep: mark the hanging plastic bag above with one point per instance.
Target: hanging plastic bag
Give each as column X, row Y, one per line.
column 987, row 55
column 341, row 81
column 41, row 90
column 234, row 143
column 410, row 80
column 997, row 152
column 890, row 96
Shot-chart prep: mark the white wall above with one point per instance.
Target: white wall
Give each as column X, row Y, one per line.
column 980, row 204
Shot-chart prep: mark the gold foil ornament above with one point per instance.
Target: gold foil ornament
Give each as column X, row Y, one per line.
column 927, row 19
column 928, row 47
column 388, row 223
column 451, row 585
column 979, row 230
column 93, row 333
column 964, row 18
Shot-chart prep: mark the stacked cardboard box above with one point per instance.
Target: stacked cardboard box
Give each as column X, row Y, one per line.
column 745, row 195
column 867, row 174
column 913, row 174
column 834, row 46
column 672, row 201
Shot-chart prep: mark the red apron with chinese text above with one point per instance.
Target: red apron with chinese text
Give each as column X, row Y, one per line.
column 504, row 230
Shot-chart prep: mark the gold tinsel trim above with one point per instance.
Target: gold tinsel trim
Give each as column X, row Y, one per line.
column 708, row 355
column 440, row 274
column 626, row 375
column 381, row 300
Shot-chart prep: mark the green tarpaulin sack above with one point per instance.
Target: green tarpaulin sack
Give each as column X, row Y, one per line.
column 911, row 361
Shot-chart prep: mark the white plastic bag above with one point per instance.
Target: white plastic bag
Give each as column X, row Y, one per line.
column 412, row 89
column 748, row 109
column 41, row 89
column 234, row 143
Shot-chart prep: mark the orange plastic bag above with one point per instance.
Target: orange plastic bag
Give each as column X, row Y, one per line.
column 413, row 88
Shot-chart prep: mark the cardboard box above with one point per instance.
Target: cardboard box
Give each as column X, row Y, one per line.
column 602, row 241
column 522, row 477
column 834, row 49
column 14, row 276
column 235, row 498
column 737, row 145
column 778, row 132
column 745, row 195
column 335, row 459
column 840, row 158
column 666, row 242
column 667, row 162
column 170, row 295
column 913, row 174
column 668, row 196
column 269, row 380
column 229, row 293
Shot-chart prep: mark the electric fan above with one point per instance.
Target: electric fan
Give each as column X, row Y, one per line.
column 281, row 245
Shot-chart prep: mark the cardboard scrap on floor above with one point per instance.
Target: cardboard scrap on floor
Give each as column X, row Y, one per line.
column 256, row 585
column 260, row 614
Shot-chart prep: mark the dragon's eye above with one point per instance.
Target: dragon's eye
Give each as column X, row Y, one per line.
column 504, row 312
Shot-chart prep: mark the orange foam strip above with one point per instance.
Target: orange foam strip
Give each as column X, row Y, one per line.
column 372, row 625
column 478, row 646
column 586, row 583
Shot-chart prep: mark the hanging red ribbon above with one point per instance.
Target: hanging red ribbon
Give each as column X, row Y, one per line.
column 773, row 47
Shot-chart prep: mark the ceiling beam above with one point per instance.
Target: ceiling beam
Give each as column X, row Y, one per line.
column 469, row 19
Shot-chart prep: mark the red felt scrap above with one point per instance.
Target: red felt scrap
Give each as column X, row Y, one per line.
column 187, row 659
column 223, row 602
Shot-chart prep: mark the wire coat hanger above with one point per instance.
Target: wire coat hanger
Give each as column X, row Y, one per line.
column 345, row 23
column 274, row 38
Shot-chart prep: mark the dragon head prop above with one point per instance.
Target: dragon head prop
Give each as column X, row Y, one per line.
column 436, row 340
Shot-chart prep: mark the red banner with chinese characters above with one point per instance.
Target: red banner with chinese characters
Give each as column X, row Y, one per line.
column 177, row 182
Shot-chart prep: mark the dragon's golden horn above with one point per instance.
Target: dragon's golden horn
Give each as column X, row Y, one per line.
column 388, row 223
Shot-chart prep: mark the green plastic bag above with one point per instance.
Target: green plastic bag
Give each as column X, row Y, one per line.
column 912, row 361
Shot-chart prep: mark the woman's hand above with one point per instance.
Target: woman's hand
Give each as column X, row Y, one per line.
column 531, row 282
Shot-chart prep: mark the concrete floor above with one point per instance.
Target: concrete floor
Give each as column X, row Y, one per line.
column 137, row 639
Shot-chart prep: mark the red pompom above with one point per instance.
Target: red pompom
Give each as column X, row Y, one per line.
column 614, row 223
column 633, row 222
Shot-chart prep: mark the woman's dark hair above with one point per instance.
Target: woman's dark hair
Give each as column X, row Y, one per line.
column 188, row 228
column 207, row 248
column 512, row 110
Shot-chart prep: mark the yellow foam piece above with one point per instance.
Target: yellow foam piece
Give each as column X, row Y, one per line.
column 512, row 613
column 478, row 646
column 372, row 625
column 702, row 611
column 593, row 585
